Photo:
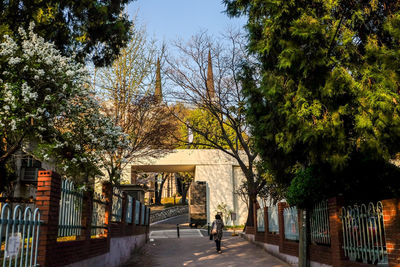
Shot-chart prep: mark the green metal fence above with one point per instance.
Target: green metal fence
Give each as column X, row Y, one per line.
column 129, row 206
column 98, row 215
column 273, row 224
column 319, row 224
column 364, row 234
column 260, row 220
column 19, row 236
column 116, row 213
column 291, row 223
column 70, row 215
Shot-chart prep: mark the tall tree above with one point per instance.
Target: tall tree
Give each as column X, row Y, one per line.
column 325, row 115
column 132, row 99
column 205, row 74
column 94, row 30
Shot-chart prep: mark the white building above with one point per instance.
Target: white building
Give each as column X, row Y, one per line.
column 220, row 171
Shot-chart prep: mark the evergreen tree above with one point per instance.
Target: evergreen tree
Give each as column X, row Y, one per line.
column 325, row 113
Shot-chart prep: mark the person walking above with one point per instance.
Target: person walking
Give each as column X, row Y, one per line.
column 216, row 232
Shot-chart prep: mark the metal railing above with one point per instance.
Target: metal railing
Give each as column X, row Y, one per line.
column 116, row 213
column 24, row 203
column 70, row 214
column 260, row 220
column 319, row 224
column 19, row 232
column 137, row 211
column 98, row 216
column 364, row 233
column 129, row 206
column 291, row 223
column 273, row 224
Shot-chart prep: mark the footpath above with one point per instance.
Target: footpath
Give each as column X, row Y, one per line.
column 198, row 250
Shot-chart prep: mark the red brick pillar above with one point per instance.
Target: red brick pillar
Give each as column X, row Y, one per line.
column 86, row 219
column 391, row 220
column 107, row 193
column 281, row 207
column 48, row 201
column 336, row 232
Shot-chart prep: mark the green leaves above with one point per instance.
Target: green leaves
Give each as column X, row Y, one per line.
column 330, row 88
column 91, row 30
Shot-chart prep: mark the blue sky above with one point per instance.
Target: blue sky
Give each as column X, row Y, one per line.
column 168, row 20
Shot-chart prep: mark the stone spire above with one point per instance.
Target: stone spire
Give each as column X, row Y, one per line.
column 158, row 91
column 210, row 78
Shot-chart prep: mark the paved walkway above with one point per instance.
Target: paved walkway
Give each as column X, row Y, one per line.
column 167, row 250
column 201, row 252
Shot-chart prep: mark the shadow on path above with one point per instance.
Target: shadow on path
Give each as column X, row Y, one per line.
column 201, row 252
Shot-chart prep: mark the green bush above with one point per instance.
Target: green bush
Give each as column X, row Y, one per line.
column 306, row 189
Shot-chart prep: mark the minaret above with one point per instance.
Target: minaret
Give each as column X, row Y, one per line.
column 158, row 92
column 210, row 79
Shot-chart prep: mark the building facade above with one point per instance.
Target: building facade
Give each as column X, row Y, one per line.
column 220, row 172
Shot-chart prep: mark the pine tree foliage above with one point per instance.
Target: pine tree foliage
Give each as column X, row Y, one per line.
column 329, row 94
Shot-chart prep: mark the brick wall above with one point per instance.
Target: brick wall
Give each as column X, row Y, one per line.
column 391, row 219
column 54, row 253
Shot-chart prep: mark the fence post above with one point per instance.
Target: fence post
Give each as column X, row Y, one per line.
column 281, row 207
column 391, row 220
column 48, row 201
column 335, row 226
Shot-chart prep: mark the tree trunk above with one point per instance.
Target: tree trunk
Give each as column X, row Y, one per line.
column 157, row 199
column 250, row 213
column 158, row 191
column 303, row 239
column 183, row 199
column 185, row 188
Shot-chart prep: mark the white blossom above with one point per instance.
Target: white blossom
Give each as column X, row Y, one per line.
column 14, row 60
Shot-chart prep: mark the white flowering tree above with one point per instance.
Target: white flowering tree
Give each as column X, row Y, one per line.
column 45, row 100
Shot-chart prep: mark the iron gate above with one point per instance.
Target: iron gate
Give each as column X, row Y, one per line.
column 19, row 236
